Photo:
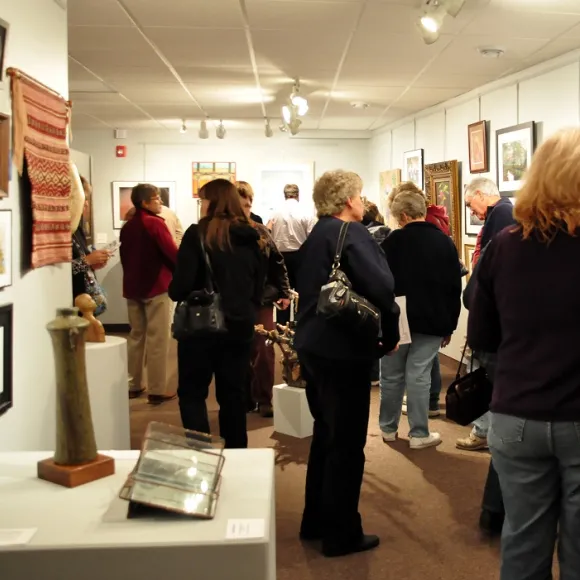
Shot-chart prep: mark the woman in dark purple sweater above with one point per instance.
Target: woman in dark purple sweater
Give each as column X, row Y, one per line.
column 526, row 308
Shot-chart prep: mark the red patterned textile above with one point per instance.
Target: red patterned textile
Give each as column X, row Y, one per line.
column 41, row 120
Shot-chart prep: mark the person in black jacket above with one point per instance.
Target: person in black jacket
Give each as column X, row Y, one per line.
column 237, row 261
column 427, row 272
column 336, row 363
column 276, row 292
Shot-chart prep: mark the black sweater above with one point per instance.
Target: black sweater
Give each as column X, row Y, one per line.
column 427, row 271
column 239, row 275
column 499, row 216
column 366, row 267
column 526, row 307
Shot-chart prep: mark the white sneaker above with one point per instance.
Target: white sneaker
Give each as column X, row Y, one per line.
column 434, row 413
column 389, row 437
column 433, row 440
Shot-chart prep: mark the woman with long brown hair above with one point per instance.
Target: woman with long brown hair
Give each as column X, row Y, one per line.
column 276, row 292
column 238, row 273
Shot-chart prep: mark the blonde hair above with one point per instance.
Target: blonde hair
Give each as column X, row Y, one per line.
column 333, row 189
column 407, row 199
column 291, row 191
column 245, row 190
column 549, row 201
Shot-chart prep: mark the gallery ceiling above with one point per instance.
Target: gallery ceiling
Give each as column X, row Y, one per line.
column 150, row 64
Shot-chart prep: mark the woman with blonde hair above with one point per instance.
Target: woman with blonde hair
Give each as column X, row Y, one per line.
column 526, row 308
column 276, row 293
column 336, row 361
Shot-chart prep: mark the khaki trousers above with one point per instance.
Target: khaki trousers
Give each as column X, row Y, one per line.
column 150, row 339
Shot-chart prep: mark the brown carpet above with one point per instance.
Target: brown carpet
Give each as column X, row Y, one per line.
column 424, row 505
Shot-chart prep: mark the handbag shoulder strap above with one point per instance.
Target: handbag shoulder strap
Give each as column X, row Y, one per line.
column 340, row 245
column 458, row 375
column 210, row 284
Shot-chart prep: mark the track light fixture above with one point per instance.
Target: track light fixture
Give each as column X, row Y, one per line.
column 296, row 107
column 220, row 131
column 183, row 127
column 203, row 132
column 434, row 13
column 268, row 130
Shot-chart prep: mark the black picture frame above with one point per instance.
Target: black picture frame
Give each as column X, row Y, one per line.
column 525, row 135
column 6, row 318
column 414, row 167
column 4, row 28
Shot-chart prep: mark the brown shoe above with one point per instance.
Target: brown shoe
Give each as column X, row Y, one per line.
column 472, row 443
column 266, row 411
column 136, row 394
column 158, row 399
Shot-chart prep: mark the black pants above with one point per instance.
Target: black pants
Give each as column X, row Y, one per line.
column 291, row 259
column 338, row 393
column 229, row 360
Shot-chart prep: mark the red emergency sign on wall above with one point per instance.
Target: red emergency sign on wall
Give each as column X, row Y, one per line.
column 121, row 151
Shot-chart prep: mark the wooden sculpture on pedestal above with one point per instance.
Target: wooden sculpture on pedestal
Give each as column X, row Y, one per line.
column 87, row 306
column 76, row 460
column 283, row 336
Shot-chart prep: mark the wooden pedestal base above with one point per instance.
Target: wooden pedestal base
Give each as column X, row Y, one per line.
column 75, row 475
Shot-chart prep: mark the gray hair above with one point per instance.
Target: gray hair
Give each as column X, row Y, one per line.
column 482, row 185
column 411, row 202
column 291, row 191
column 333, row 189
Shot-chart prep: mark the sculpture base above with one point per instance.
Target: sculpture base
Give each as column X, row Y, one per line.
column 75, row 475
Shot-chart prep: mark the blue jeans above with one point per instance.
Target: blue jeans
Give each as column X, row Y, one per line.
column 408, row 369
column 435, row 391
column 538, row 464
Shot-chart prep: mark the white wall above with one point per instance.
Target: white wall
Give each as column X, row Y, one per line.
column 168, row 156
column 37, row 44
column 548, row 94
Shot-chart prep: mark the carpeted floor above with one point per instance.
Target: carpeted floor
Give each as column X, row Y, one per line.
column 424, row 505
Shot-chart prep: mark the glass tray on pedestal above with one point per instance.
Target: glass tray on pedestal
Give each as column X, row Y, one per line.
column 177, row 471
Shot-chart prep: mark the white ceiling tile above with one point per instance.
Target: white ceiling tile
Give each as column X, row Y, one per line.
column 98, row 60
column 106, row 38
column 83, row 98
column 574, row 32
column 434, row 77
column 552, row 50
column 556, row 6
column 187, row 13
column 96, row 13
column 514, row 48
column 292, row 15
column 112, row 73
column 342, row 109
column 421, row 98
column 346, row 123
column 187, row 47
column 375, row 96
column 216, row 76
column 93, row 86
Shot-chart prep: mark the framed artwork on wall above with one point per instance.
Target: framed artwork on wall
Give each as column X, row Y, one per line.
column 3, row 38
column 478, row 147
column 388, row 180
column 468, row 250
column 5, row 248
column 442, row 188
column 515, row 148
column 122, row 198
column 5, row 156
column 5, row 358
column 413, row 169
column 205, row 171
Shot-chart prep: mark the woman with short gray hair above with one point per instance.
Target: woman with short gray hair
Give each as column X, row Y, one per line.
column 427, row 272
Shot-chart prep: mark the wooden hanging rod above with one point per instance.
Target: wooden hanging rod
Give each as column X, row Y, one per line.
column 14, row 72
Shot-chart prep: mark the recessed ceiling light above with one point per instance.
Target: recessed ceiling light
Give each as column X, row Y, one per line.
column 491, row 52
column 359, row 105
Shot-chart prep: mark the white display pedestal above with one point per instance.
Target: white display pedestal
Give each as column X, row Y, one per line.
column 108, row 389
column 84, row 533
column 291, row 413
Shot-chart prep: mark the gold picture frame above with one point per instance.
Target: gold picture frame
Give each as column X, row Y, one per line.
column 468, row 251
column 442, row 188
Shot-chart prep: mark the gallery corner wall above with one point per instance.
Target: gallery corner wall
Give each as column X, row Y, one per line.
column 548, row 94
column 37, row 45
column 168, row 156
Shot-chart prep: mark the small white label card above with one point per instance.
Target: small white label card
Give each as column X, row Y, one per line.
column 16, row 537
column 245, row 529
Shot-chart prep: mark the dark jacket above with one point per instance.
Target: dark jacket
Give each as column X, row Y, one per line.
column 238, row 275
column 148, row 254
column 427, row 271
column 526, row 307
column 256, row 218
column 366, row 267
column 499, row 216
column 378, row 231
column 277, row 284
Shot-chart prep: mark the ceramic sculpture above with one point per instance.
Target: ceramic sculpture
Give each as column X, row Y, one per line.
column 87, row 306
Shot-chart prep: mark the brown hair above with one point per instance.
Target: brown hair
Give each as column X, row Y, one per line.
column 372, row 213
column 245, row 190
column 143, row 192
column 291, row 191
column 224, row 210
column 549, row 201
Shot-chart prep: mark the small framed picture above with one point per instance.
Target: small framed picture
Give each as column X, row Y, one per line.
column 515, row 148
column 478, row 147
column 413, row 169
column 4, row 26
column 122, row 198
column 468, row 251
column 5, row 358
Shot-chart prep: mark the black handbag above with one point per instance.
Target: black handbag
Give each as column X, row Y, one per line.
column 201, row 313
column 337, row 299
column 468, row 397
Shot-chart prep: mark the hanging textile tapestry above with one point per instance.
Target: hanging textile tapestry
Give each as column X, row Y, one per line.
column 41, row 154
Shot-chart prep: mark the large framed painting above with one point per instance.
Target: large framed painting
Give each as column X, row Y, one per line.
column 442, row 188
column 205, row 171
column 478, row 147
column 88, row 219
column 468, row 251
column 413, row 169
column 388, row 180
column 515, row 148
column 5, row 358
column 122, row 198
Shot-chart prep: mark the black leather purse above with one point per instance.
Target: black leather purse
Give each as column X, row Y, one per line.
column 338, row 301
column 468, row 397
column 201, row 313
